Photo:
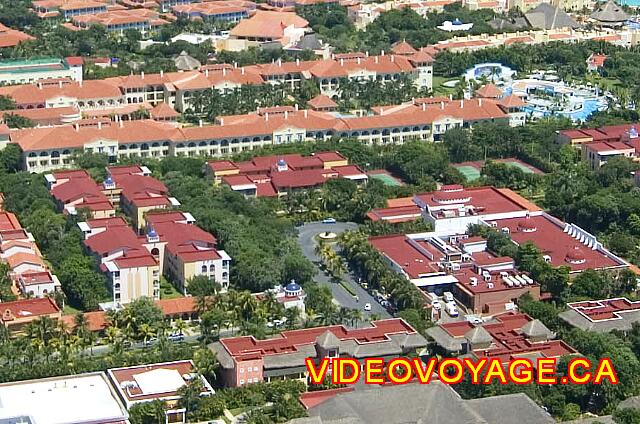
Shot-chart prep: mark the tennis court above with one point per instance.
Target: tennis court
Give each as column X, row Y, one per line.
column 523, row 167
column 386, row 179
column 471, row 173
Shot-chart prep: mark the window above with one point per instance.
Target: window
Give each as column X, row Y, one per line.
column 241, row 381
column 204, row 268
column 241, row 370
column 212, row 268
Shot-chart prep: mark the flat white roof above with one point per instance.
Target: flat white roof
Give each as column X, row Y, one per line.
column 85, row 398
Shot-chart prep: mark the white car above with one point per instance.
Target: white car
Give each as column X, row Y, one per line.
column 451, row 309
column 436, row 304
column 329, row 221
column 367, row 307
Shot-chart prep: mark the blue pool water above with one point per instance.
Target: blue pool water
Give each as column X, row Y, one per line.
column 634, row 3
column 589, row 106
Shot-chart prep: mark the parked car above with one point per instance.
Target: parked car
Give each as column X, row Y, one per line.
column 329, row 221
column 367, row 307
column 451, row 309
column 448, row 297
column 436, row 304
column 176, row 337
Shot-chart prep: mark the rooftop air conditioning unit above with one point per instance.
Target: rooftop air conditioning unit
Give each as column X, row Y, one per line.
column 490, row 285
column 474, row 281
column 505, row 230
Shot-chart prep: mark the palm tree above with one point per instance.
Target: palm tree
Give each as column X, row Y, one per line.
column 179, row 325
column 146, row 332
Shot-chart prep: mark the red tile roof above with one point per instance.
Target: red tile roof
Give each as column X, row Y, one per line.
column 288, row 341
column 268, row 25
column 548, row 234
column 28, row 308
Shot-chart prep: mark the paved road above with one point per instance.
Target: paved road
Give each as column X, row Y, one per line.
column 306, row 239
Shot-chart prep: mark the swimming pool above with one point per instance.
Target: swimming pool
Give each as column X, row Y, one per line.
column 589, row 106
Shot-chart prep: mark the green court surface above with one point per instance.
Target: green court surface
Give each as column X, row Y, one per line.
column 386, row 179
column 525, row 169
column 469, row 172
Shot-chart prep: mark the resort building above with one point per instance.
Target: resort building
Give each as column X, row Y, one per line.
column 10, row 37
column 121, row 20
column 483, row 283
column 16, row 315
column 227, row 11
column 51, row 148
column 415, row 403
column 139, row 194
column 132, row 271
column 35, row 70
column 76, row 399
column 185, row 250
column 76, row 190
column 157, row 382
column 27, row 269
column 506, row 337
column 603, row 315
column 67, row 9
column 246, row 360
column 271, row 176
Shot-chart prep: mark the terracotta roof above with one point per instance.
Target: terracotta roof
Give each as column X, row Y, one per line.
column 322, row 101
column 489, row 91
column 512, row 101
column 163, row 110
column 403, row 48
column 268, row 25
column 10, row 37
column 28, row 308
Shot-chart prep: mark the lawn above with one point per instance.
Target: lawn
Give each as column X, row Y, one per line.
column 167, row 290
column 70, row 310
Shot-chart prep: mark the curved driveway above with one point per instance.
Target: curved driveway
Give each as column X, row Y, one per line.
column 306, row 239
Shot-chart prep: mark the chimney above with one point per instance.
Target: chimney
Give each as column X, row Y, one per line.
column 297, row 61
column 442, row 105
column 296, row 106
column 235, row 64
column 242, row 70
column 280, row 62
column 99, row 124
column 424, row 107
column 59, row 84
column 40, row 85
column 121, row 123
column 366, row 53
column 222, row 122
column 286, row 114
column 305, row 113
column 479, row 102
column 381, row 111
column 450, row 96
column 358, row 61
column 461, row 104
column 200, row 123
column 376, row 59
column 341, row 62
column 382, row 53
column 392, row 58
column 266, row 117
column 224, row 72
column 206, row 73
column 80, row 83
column 77, row 127
column 142, row 74
column 161, row 73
